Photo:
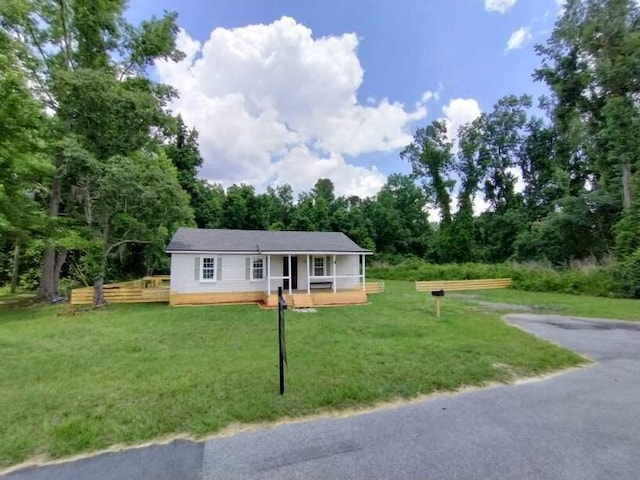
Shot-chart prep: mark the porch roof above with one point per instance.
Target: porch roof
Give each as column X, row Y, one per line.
column 261, row 241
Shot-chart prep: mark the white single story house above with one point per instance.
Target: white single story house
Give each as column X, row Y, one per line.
column 210, row 266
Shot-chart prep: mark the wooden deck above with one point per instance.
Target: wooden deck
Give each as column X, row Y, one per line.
column 317, row 298
column 150, row 290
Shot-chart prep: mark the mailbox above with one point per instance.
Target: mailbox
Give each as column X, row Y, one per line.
column 437, row 293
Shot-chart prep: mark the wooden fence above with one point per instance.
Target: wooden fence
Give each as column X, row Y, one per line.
column 457, row 285
column 374, row 287
column 146, row 290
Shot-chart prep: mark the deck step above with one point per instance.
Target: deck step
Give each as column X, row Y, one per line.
column 302, row 300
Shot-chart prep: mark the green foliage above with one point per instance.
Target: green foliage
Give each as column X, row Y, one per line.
column 628, row 275
column 88, row 67
column 431, row 159
column 23, row 167
column 418, row 269
column 580, row 279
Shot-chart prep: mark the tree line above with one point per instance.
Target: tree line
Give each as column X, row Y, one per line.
column 97, row 172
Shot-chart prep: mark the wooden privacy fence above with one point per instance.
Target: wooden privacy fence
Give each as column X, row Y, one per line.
column 137, row 291
column 374, row 287
column 457, row 285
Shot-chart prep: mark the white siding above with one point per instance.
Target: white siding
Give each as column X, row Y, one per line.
column 302, row 272
column 348, row 265
column 233, row 275
column 276, row 271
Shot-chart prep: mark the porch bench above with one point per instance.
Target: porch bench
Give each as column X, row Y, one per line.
column 321, row 284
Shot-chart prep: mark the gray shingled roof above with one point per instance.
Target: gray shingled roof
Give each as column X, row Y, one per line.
column 219, row 240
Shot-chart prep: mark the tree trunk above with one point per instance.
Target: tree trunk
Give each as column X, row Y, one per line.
column 98, row 293
column 16, row 267
column 627, row 194
column 48, row 280
column 61, row 257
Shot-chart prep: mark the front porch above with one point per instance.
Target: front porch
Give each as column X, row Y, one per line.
column 311, row 272
column 315, row 279
column 302, row 299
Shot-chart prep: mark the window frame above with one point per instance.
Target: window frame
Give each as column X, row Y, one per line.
column 324, row 265
column 214, row 268
column 263, row 268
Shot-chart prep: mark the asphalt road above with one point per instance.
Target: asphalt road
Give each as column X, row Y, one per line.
column 583, row 424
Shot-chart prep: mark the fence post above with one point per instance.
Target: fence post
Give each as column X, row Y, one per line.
column 282, row 348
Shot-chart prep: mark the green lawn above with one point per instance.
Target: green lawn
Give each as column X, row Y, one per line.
column 564, row 304
column 127, row 374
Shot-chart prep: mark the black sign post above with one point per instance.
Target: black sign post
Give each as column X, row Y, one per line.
column 437, row 294
column 282, row 347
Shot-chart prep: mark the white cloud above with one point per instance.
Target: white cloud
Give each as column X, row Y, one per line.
column 273, row 104
column 301, row 166
column 518, row 38
column 500, row 6
column 459, row 112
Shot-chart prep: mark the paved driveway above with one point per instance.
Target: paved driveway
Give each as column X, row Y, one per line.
column 580, row 425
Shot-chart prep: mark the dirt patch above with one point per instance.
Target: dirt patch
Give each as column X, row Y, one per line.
column 499, row 306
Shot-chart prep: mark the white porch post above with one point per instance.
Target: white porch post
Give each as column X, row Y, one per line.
column 333, row 269
column 364, row 281
column 268, row 274
column 289, row 274
column 308, row 275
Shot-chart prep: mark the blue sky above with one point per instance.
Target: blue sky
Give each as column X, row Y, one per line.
column 299, row 97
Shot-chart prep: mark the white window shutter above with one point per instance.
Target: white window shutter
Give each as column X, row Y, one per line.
column 219, row 268
column 196, row 269
column 247, row 268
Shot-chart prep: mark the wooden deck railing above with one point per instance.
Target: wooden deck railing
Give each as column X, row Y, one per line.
column 146, row 290
column 458, row 285
column 376, row 286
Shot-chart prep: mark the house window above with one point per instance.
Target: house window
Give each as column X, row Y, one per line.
column 318, row 266
column 208, row 269
column 257, row 268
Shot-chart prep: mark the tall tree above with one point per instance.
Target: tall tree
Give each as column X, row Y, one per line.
column 591, row 63
column 184, row 153
column 87, row 63
column 502, row 137
column 431, row 158
column 23, row 165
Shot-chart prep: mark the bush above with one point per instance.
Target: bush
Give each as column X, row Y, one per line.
column 580, row 278
column 628, row 275
column 418, row 269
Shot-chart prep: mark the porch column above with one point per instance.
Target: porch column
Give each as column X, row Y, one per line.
column 289, row 274
column 268, row 274
column 333, row 269
column 364, row 281
column 308, row 275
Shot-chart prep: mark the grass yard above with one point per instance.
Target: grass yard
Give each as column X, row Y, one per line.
column 564, row 304
column 131, row 373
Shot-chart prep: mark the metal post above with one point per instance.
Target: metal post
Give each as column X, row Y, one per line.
column 308, row 276
column 282, row 352
column 289, row 274
column 335, row 286
column 268, row 274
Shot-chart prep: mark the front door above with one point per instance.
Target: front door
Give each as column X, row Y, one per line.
column 294, row 272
